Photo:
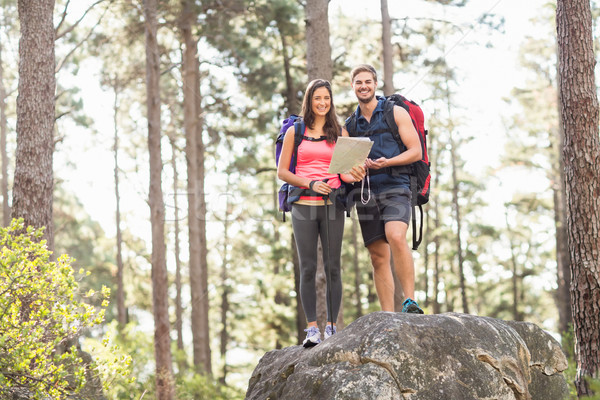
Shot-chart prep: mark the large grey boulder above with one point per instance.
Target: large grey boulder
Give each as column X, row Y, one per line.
column 418, row 357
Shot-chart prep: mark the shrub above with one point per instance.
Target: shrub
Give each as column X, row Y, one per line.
column 41, row 318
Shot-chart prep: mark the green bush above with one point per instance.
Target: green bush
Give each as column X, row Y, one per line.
column 41, row 319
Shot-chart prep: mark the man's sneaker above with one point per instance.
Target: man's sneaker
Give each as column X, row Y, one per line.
column 313, row 337
column 412, row 307
column 330, row 332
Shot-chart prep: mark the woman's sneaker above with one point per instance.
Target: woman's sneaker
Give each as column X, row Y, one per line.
column 330, row 332
column 313, row 337
column 412, row 307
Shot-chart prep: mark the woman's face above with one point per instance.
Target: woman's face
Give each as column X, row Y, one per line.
column 321, row 101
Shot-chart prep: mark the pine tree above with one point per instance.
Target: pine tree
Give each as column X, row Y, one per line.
column 579, row 116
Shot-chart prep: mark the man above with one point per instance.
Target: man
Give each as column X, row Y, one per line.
column 385, row 206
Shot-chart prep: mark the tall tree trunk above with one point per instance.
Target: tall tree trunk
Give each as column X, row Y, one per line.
column 201, row 203
column 194, row 156
column 386, row 38
column 435, row 150
column 121, row 312
column 579, row 115
column 178, row 284
column 456, row 206
column 318, row 48
column 563, row 258
column 162, row 340
column 457, row 218
column 514, row 268
column 33, row 179
column 291, row 100
column 437, row 308
column 225, row 285
column 3, row 154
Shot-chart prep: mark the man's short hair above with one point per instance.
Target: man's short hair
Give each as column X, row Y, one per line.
column 364, row 68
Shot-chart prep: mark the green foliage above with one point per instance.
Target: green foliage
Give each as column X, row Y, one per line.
column 134, row 350
column 41, row 318
column 197, row 386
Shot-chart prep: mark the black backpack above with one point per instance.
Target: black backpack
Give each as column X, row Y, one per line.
column 419, row 171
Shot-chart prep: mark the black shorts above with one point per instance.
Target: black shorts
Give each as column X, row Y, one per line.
column 391, row 205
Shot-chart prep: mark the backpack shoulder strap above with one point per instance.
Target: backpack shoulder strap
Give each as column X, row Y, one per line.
column 350, row 124
column 299, row 129
column 388, row 112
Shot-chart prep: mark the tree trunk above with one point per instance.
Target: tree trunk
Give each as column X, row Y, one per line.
column 563, row 258
column 194, row 157
column 162, row 340
column 225, row 285
column 318, row 48
column 121, row 312
column 435, row 150
column 3, row 128
column 291, row 100
column 514, row 269
column 386, row 37
column 201, row 203
column 178, row 285
column 579, row 115
column 456, row 207
column 33, row 179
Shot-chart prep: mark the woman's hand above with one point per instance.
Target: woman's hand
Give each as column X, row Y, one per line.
column 320, row 187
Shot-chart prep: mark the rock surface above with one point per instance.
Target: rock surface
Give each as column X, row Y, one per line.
column 418, row 357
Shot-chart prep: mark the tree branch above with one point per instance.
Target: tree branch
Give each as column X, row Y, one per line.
column 70, row 28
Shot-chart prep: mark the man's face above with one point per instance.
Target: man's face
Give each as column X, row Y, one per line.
column 364, row 86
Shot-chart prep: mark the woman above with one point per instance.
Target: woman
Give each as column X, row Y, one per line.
column 308, row 213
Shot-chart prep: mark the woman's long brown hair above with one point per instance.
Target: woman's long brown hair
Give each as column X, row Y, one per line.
column 332, row 127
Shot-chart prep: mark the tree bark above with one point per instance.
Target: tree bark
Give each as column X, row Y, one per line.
column 195, row 184
column 225, row 285
column 3, row 128
column 162, row 340
column 514, row 268
column 201, row 203
column 291, row 100
column 579, row 115
column 456, row 209
column 121, row 311
column 318, row 48
column 563, row 258
column 178, row 284
column 33, row 179
column 386, row 37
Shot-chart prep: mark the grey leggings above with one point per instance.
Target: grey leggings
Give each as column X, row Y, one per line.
column 308, row 223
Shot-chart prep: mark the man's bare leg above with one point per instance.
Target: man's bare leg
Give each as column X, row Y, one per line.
column 382, row 273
